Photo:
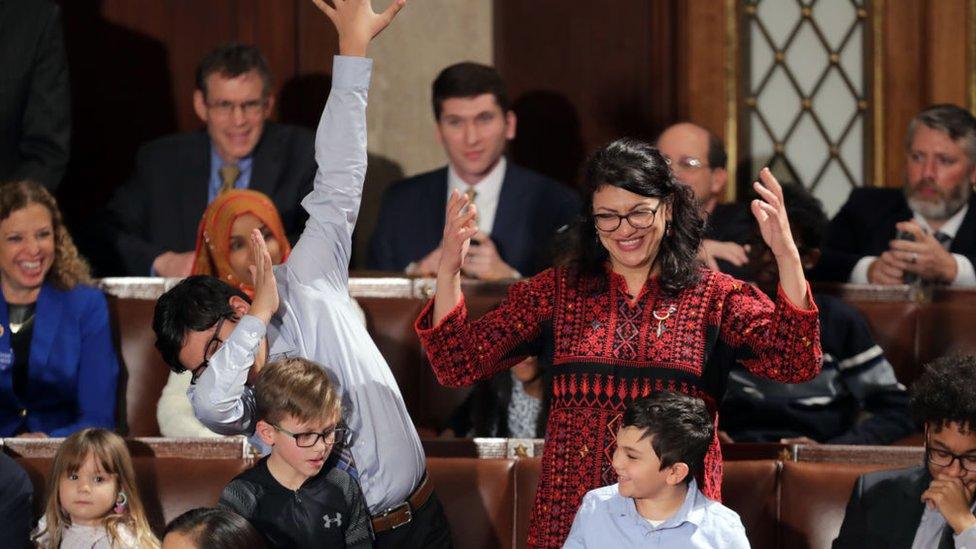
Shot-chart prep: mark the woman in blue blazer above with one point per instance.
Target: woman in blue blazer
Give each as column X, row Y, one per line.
column 58, row 369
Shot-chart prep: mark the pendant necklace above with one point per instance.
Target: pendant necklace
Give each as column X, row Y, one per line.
column 661, row 318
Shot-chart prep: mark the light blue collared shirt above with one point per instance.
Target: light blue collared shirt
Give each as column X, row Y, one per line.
column 607, row 519
column 317, row 318
column 931, row 527
column 216, row 162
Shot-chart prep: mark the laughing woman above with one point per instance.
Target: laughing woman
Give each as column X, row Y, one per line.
column 631, row 313
column 58, row 369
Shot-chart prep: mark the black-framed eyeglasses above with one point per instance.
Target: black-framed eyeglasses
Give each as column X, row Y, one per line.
column 638, row 219
column 336, row 435
column 208, row 351
column 944, row 458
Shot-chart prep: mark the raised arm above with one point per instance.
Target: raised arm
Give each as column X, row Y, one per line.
column 323, row 251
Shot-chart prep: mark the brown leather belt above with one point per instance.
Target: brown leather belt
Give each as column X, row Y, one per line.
column 402, row 514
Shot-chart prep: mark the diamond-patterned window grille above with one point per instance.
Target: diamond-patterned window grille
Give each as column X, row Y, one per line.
column 806, row 102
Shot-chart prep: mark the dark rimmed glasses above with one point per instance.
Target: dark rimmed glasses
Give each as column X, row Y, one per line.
column 336, row 435
column 944, row 458
column 208, row 351
column 638, row 219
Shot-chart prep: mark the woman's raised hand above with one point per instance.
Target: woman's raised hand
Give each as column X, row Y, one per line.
column 357, row 23
column 770, row 211
column 458, row 230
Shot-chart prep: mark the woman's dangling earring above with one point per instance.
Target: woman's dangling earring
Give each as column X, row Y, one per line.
column 120, row 503
column 667, row 228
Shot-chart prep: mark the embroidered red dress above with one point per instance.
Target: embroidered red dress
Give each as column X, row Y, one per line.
column 606, row 352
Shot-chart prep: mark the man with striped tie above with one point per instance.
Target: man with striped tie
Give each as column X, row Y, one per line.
column 154, row 216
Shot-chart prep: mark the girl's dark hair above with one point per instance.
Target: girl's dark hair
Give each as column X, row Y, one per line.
column 216, row 528
column 638, row 167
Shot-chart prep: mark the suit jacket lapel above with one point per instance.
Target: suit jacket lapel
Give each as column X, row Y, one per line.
column 431, row 211
column 194, row 174
column 267, row 161
column 906, row 514
column 965, row 240
column 48, row 315
column 512, row 205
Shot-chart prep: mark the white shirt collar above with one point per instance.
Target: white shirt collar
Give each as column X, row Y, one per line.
column 950, row 227
column 488, row 189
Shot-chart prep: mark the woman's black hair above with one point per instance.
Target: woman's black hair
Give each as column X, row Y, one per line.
column 216, row 528
column 638, row 167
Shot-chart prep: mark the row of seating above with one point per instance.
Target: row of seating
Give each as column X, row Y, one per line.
column 912, row 325
column 783, row 503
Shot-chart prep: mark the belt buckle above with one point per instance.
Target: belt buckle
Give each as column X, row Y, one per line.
column 405, row 506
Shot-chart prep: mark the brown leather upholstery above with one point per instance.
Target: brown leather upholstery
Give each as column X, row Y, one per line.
column 895, row 328
column 946, row 327
column 144, row 373
column 751, row 488
column 478, row 497
column 813, row 497
column 527, row 473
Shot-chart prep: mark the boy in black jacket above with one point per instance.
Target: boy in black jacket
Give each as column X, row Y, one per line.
column 298, row 496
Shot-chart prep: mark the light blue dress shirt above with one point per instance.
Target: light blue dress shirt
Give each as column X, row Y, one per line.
column 317, row 319
column 931, row 528
column 607, row 519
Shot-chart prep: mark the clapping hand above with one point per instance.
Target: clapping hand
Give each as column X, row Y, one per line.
column 357, row 23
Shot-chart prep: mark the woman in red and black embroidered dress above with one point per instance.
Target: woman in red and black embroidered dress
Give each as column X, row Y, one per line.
column 633, row 312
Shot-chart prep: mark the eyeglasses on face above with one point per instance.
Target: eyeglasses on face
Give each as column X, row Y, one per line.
column 944, row 458
column 225, row 109
column 638, row 219
column 335, row 435
column 686, row 163
column 213, row 344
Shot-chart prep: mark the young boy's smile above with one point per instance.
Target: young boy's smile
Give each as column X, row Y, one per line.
column 638, row 467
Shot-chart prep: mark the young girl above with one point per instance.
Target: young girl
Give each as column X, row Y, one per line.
column 92, row 501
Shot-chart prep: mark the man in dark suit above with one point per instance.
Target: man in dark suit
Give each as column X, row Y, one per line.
column 156, row 214
column 698, row 159
column 927, row 230
column 930, row 505
column 519, row 211
column 35, row 100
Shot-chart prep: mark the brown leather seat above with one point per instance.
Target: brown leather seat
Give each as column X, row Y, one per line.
column 478, row 497
column 813, row 497
column 751, row 488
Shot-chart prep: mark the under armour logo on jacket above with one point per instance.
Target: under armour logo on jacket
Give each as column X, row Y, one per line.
column 328, row 521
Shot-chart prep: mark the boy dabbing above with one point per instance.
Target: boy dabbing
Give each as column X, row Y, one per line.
column 661, row 446
column 292, row 497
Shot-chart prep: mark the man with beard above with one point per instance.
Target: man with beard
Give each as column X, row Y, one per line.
column 930, row 505
column 927, row 231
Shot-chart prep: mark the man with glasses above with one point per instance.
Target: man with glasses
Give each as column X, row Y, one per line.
column 930, row 505
column 154, row 217
column 698, row 159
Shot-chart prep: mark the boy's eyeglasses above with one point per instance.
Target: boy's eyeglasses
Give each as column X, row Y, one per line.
column 944, row 458
column 337, row 435
column 208, row 351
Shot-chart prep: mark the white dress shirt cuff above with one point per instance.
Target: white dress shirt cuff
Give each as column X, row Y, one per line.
column 859, row 274
column 965, row 275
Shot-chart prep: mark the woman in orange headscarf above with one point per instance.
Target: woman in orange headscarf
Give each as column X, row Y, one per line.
column 222, row 239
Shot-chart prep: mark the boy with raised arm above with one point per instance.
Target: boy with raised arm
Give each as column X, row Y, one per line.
column 211, row 329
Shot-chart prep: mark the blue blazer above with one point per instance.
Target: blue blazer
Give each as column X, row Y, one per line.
column 73, row 370
column 531, row 208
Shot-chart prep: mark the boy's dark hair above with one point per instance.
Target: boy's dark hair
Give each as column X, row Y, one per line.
column 232, row 60
column 216, row 528
column 946, row 392
column 468, row 80
column 680, row 426
column 196, row 303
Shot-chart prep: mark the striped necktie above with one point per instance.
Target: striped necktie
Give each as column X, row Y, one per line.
column 228, row 176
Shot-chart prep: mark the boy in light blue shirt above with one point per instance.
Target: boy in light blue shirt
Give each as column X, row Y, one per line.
column 661, row 446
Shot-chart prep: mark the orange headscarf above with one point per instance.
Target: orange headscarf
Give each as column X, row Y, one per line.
column 213, row 236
